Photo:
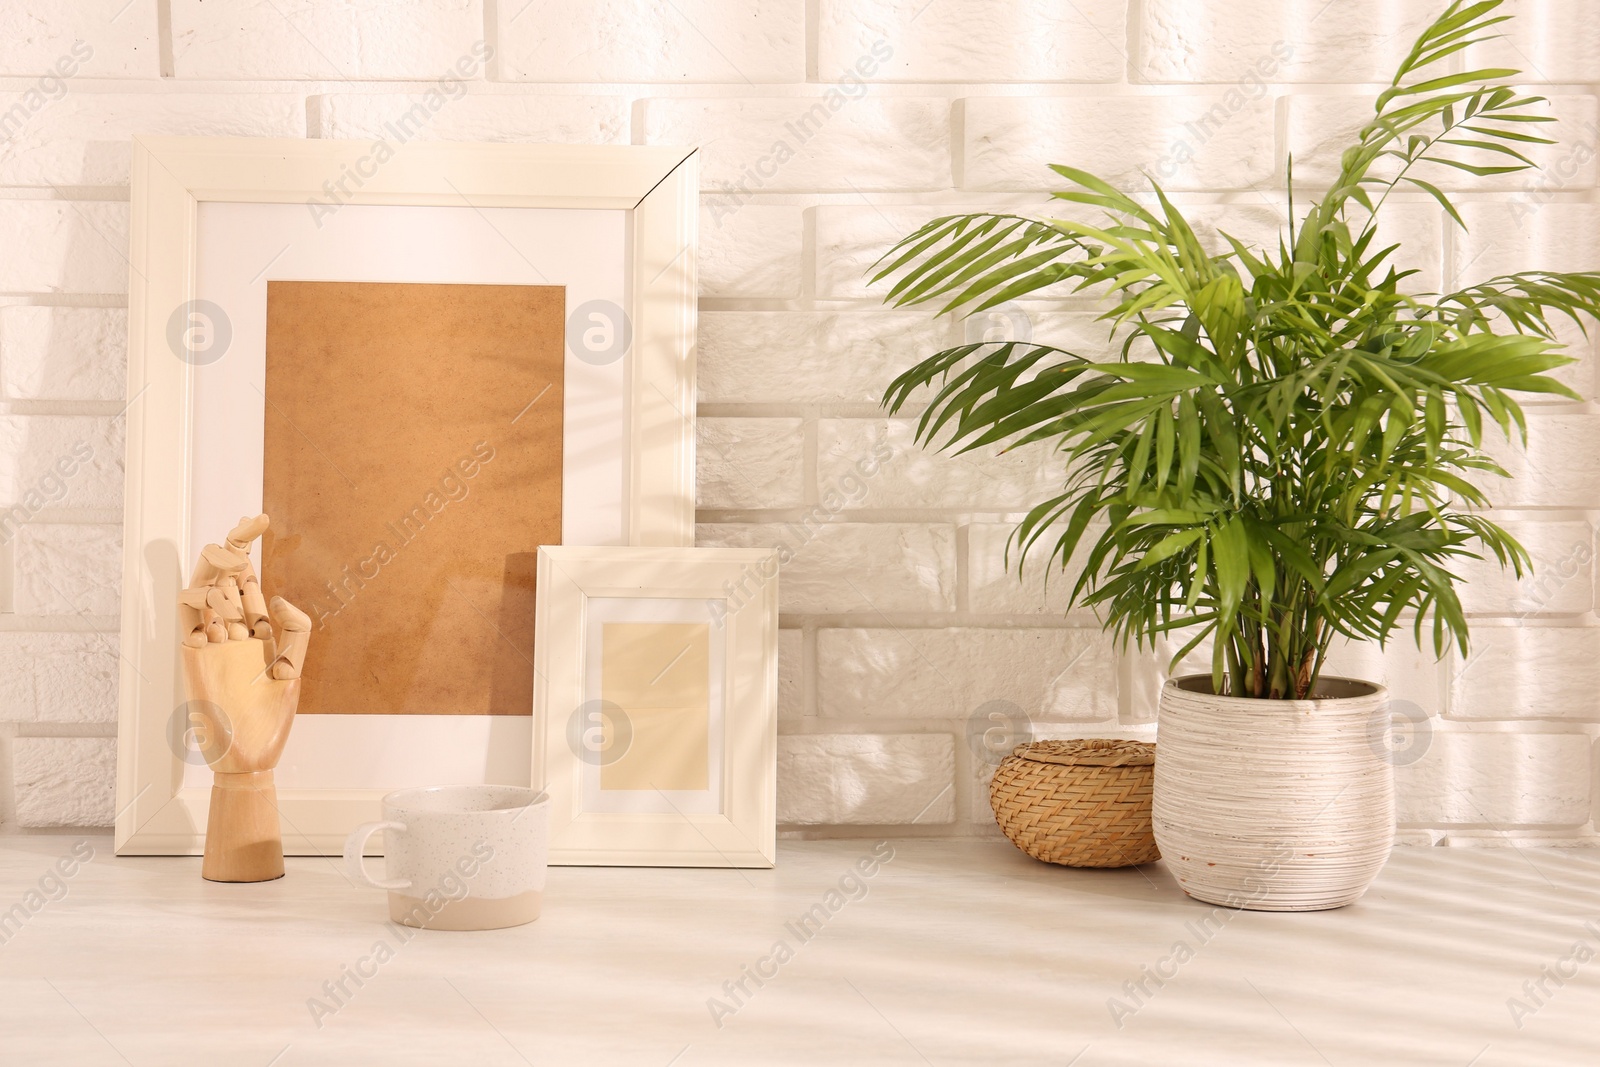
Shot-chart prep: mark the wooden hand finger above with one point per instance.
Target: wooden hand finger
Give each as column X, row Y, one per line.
column 215, row 629
column 191, row 604
column 225, row 599
column 249, row 528
column 195, row 610
column 215, row 561
column 254, row 603
column 293, row 632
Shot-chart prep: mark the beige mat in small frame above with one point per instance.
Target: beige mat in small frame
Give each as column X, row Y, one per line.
column 655, row 705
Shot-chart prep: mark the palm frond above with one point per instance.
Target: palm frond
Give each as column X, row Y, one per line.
column 1283, row 446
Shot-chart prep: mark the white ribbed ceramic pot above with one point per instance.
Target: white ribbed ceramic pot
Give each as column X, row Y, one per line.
column 1274, row 805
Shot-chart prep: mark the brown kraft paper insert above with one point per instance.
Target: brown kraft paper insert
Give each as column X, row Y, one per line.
column 412, row 470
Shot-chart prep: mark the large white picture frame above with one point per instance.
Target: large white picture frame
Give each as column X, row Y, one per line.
column 657, row 188
column 728, row 595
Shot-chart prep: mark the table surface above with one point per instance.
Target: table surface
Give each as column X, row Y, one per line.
column 952, row 952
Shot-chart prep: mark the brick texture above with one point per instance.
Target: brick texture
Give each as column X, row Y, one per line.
column 419, row 39
column 65, row 781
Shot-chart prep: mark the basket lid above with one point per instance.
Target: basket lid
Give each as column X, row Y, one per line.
column 1089, row 751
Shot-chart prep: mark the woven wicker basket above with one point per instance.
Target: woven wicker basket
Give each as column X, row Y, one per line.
column 1082, row 803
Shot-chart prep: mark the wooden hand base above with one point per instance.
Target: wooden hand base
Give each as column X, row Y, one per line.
column 245, row 715
column 243, row 843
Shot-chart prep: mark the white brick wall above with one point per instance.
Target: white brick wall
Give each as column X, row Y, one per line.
column 1498, row 779
column 364, row 39
column 1562, row 582
column 60, row 461
column 65, row 781
column 63, row 246
column 829, row 129
column 1530, row 672
column 1222, row 40
column 66, row 569
column 1195, row 141
column 466, row 116
column 854, row 567
column 915, row 477
column 1552, row 41
column 1525, row 231
column 849, row 240
column 753, row 251
column 998, row 585
column 84, row 138
column 63, row 353
column 1052, row 675
column 749, row 463
column 751, row 357
column 791, row 674
column 693, row 41
column 866, row 779
column 836, row 142
column 121, row 37
column 1012, row 40
column 1558, row 468
column 58, row 677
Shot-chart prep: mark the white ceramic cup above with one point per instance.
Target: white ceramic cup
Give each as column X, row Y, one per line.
column 459, row 857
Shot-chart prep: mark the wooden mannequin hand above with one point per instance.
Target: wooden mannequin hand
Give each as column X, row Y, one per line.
column 241, row 670
column 241, row 656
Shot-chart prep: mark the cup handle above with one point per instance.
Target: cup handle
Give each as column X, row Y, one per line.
column 356, row 844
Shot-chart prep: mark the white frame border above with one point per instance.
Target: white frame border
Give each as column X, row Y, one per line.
column 171, row 176
column 745, row 833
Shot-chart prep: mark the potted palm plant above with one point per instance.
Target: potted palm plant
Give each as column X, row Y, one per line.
column 1285, row 450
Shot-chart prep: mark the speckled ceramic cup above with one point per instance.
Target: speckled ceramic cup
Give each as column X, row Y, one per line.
column 459, row 857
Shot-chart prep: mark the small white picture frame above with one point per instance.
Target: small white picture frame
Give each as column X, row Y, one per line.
column 655, row 705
